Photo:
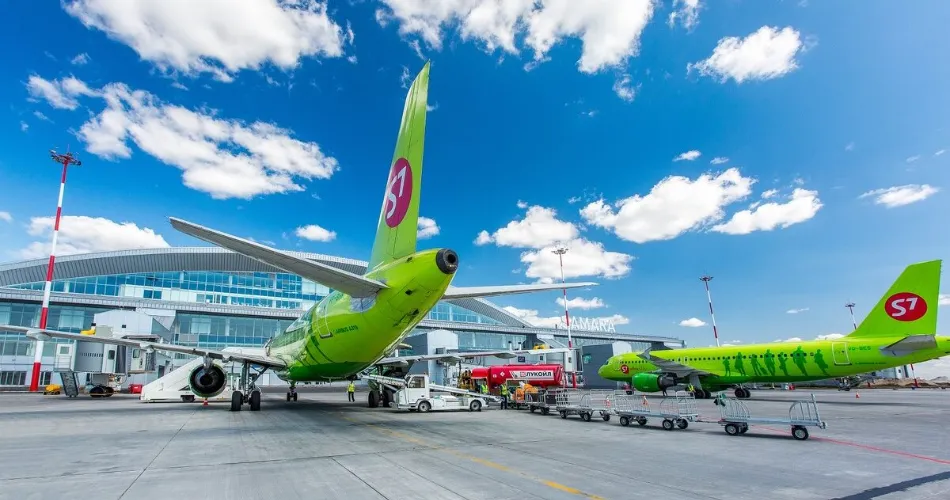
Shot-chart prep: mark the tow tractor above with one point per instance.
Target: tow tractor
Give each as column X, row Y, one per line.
column 416, row 393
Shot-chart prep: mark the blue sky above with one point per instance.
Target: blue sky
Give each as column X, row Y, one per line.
column 258, row 118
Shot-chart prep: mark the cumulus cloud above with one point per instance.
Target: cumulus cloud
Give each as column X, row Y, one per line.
column 427, row 228
column 609, row 30
column 830, row 336
column 532, row 317
column 217, row 37
column 802, row 206
column 80, row 234
column 938, row 153
column 581, row 303
column 796, row 311
column 693, row 322
column 688, row 156
column 766, row 54
column 624, row 88
column 675, row 205
column 898, row 196
column 543, row 232
column 314, row 232
column 5, row 216
column 80, row 59
column 687, row 13
column 60, row 93
column 719, row 160
column 770, row 193
column 224, row 158
column 932, row 369
column 943, row 299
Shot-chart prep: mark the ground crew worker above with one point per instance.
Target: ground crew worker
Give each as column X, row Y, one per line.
column 504, row 396
column 483, row 388
column 691, row 389
column 350, row 390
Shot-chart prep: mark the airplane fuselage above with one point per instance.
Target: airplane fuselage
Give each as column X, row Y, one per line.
column 775, row 362
column 341, row 335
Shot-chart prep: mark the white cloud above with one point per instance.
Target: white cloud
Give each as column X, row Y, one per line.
column 540, row 227
column 80, row 59
column 897, row 196
column 688, row 156
column 912, row 159
column 932, row 369
column 24, row 126
column 719, row 160
column 768, row 53
column 938, row 153
column 802, row 206
column 849, row 146
column 624, row 89
column 770, row 193
column 220, row 37
column 531, row 316
column 688, row 13
column 314, row 232
column 943, row 299
column 405, row 78
column 608, row 29
column 830, row 336
column 41, row 116
column 59, row 94
column 675, row 205
column 693, row 322
column 225, row 158
column 793, row 339
column 541, row 231
column 81, row 234
column 427, row 228
column 5, row 216
column 796, row 311
column 581, row 303
column 522, row 204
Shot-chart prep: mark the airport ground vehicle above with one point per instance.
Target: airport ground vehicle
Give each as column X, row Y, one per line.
column 583, row 403
column 547, row 375
column 416, row 393
column 676, row 411
column 736, row 417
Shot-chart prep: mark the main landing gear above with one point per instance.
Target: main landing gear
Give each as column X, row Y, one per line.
column 702, row 394
column 743, row 393
column 383, row 397
column 247, row 390
column 292, row 392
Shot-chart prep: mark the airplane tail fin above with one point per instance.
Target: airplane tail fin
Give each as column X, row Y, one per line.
column 909, row 307
column 399, row 216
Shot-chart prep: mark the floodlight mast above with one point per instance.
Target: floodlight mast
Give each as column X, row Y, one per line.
column 65, row 160
column 706, row 279
column 560, row 251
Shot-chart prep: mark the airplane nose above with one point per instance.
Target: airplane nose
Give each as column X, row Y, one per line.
column 602, row 370
column 447, row 260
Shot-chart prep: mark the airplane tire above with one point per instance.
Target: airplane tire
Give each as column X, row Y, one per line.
column 373, row 399
column 295, row 396
column 237, row 399
column 255, row 401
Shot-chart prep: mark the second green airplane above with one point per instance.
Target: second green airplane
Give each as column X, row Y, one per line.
column 900, row 330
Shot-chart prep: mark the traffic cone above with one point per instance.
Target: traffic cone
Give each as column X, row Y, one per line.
column 206, row 402
column 857, row 395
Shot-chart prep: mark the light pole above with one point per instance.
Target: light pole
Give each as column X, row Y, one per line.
column 560, row 251
column 66, row 160
column 706, row 279
column 850, row 306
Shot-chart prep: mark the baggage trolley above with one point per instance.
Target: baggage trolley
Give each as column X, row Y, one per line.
column 542, row 401
column 570, row 402
column 677, row 411
column 735, row 417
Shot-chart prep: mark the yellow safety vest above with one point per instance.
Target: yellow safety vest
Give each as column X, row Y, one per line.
column 504, row 390
column 351, row 387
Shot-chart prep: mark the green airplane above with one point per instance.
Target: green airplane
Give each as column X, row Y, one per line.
column 365, row 317
column 900, row 330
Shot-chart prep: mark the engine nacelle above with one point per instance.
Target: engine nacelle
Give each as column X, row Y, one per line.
column 651, row 382
column 207, row 382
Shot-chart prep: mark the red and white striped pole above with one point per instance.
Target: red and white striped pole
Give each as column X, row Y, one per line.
column 66, row 160
column 705, row 280
column 560, row 251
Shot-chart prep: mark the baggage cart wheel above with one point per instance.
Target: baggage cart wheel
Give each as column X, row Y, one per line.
column 667, row 424
column 605, row 416
column 531, row 409
column 642, row 420
column 682, row 423
column 744, row 429
column 732, row 429
column 585, row 417
column 563, row 414
column 545, row 411
column 624, row 421
column 800, row 433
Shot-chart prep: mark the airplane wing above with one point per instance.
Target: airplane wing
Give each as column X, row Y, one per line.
column 42, row 334
column 667, row 366
column 337, row 279
column 467, row 292
column 458, row 356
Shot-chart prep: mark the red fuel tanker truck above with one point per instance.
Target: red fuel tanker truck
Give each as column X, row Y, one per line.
column 536, row 375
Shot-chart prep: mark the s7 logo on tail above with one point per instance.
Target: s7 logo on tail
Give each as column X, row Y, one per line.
column 398, row 192
column 905, row 306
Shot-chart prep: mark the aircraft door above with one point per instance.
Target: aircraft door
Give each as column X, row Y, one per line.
column 839, row 351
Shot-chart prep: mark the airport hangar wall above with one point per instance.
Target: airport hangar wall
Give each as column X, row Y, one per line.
column 210, row 297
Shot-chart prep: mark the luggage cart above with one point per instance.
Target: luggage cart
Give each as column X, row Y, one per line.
column 735, row 417
column 543, row 401
column 676, row 411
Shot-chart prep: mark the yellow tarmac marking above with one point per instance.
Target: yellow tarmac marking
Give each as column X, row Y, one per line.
column 478, row 460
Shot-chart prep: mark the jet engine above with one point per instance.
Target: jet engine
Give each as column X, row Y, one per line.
column 651, row 382
column 207, row 382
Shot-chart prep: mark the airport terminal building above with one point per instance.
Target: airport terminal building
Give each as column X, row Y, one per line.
column 210, row 297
